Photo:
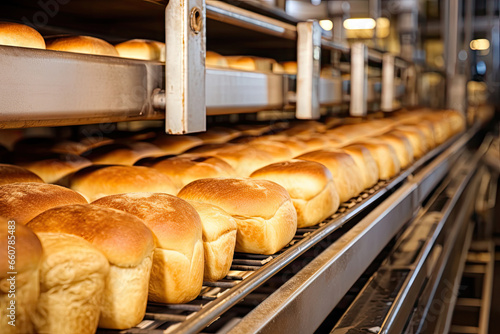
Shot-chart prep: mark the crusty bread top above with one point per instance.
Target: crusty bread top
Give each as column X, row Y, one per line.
column 213, row 59
column 23, row 201
column 98, row 181
column 82, row 44
column 121, row 154
column 175, row 223
column 290, row 67
column 69, row 259
column 215, row 221
column 302, row 179
column 142, row 49
column 295, row 145
column 238, row 196
column 69, row 147
column 277, row 150
column 14, row 174
column 176, row 144
column 218, row 135
column 15, row 34
column 28, row 250
column 184, row 169
column 253, row 129
column 121, row 237
column 53, row 167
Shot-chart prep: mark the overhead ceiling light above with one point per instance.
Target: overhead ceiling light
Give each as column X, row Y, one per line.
column 316, row 2
column 480, row 44
column 359, row 24
column 326, row 24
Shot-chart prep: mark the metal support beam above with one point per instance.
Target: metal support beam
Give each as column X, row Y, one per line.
column 185, row 66
column 359, row 79
column 308, row 69
column 387, row 82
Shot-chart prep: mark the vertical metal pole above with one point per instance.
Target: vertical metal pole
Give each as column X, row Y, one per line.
column 308, row 69
column 185, row 66
column 375, row 14
column 359, row 80
column 387, row 82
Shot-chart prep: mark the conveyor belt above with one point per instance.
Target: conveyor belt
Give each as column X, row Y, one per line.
column 250, row 271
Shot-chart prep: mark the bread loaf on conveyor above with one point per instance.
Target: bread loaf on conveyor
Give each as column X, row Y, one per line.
column 346, row 174
column 310, row 186
column 98, row 181
column 365, row 162
column 82, row 44
column 128, row 246
column 15, row 174
column 177, row 273
column 176, row 144
column 263, row 210
column 219, row 240
column 52, row 167
column 15, row 34
column 213, row 59
column 121, row 154
column 142, row 49
column 23, row 201
column 401, row 145
column 23, row 257
column 185, row 169
column 385, row 157
column 73, row 277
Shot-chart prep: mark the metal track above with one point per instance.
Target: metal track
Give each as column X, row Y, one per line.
column 251, row 271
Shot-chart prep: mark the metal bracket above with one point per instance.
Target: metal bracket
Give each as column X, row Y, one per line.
column 359, row 80
column 387, row 82
column 185, row 66
column 308, row 69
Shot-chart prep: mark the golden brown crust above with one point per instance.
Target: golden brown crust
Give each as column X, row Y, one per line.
column 218, row 135
column 302, row 179
column 176, row 144
column 297, row 146
column 174, row 222
column 14, row 174
column 142, row 49
column 28, row 250
column 54, row 167
column 244, row 159
column 213, row 59
column 346, row 174
column 290, row 67
column 15, row 34
column 279, row 151
column 185, row 169
column 401, row 145
column 385, row 157
column 121, row 154
column 121, row 237
column 98, row 181
column 23, row 201
column 238, row 196
column 82, row 44
column 366, row 163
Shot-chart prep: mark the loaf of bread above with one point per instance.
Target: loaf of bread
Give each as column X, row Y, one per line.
column 366, row 164
column 385, row 157
column 14, row 174
column 402, row 147
column 72, row 281
column 176, row 144
column 297, row 146
column 253, row 129
column 121, row 154
column 218, row 135
column 98, row 181
column 219, row 240
column 213, row 59
column 416, row 138
column 15, row 34
column 310, row 186
column 290, row 67
column 24, row 201
column 82, row 44
column 128, row 246
column 23, row 257
column 142, row 49
column 248, row 63
column 277, row 150
column 346, row 174
column 52, row 167
column 185, row 169
column 177, row 273
column 263, row 210
column 243, row 158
